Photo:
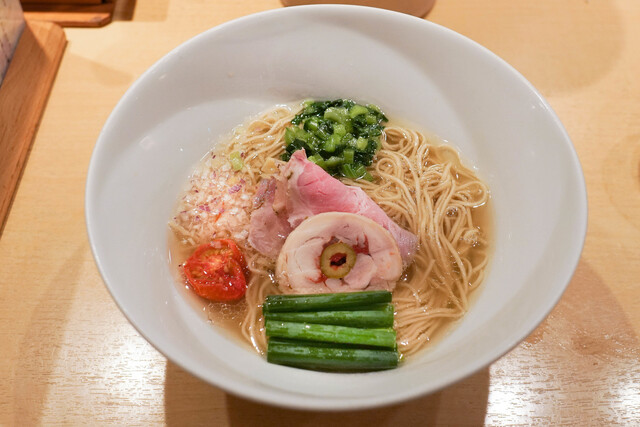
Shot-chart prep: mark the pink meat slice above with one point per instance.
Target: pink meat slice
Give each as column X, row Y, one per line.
column 311, row 191
column 268, row 228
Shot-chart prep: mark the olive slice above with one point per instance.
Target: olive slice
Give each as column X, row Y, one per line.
column 337, row 260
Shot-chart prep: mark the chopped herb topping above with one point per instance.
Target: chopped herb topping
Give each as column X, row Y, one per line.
column 340, row 136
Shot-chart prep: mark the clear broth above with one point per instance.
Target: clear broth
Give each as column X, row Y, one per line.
column 229, row 315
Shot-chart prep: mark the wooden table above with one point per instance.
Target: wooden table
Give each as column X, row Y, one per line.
column 68, row 356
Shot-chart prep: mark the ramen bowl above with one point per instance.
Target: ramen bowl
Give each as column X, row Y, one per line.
column 415, row 70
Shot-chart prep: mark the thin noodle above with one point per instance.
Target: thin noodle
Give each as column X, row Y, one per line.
column 425, row 189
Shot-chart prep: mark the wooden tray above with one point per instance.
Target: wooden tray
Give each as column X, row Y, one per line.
column 23, row 96
column 70, row 13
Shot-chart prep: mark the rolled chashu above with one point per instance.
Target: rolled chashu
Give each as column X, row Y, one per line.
column 374, row 259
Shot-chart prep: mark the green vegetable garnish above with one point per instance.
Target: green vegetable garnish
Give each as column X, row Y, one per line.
column 374, row 316
column 337, row 260
column 340, row 332
column 316, row 302
column 236, row 161
column 374, row 337
column 332, row 357
column 337, row 133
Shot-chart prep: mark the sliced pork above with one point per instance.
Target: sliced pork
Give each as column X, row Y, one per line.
column 269, row 228
column 309, row 190
column 378, row 264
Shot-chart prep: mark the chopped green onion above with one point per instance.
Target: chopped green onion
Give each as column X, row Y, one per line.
column 357, row 110
column 370, row 119
column 313, row 124
column 349, row 140
column 318, row 160
column 348, row 171
column 336, row 114
column 360, row 171
column 339, row 129
column 332, row 143
column 348, row 156
column 236, row 161
column 289, row 135
column 333, row 162
column 361, row 144
column 374, row 108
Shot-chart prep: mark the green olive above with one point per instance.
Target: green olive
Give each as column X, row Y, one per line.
column 337, row 260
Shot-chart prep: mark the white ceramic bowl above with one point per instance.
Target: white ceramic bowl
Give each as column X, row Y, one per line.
column 413, row 69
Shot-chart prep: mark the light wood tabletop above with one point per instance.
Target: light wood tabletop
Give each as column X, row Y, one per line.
column 69, row 356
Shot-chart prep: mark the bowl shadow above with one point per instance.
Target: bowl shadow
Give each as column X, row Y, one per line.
column 201, row 403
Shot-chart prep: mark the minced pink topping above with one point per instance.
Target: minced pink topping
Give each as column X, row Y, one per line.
column 216, row 204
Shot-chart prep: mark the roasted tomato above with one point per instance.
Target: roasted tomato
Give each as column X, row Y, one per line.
column 215, row 271
column 225, row 247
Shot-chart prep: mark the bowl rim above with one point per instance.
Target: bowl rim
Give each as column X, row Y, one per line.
column 318, row 402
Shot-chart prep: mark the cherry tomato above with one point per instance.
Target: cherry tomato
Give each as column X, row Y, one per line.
column 226, row 247
column 215, row 271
